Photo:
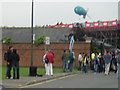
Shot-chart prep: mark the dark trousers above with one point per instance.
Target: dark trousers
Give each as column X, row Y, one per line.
column 16, row 71
column 92, row 65
column 8, row 73
column 71, row 66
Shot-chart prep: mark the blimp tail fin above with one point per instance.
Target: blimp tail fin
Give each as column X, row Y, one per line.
column 87, row 14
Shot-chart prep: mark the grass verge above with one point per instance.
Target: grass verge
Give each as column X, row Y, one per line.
column 24, row 71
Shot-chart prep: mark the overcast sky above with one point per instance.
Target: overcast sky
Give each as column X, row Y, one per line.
column 49, row 12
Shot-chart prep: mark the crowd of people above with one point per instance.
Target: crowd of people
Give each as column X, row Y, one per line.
column 110, row 61
column 106, row 63
column 68, row 59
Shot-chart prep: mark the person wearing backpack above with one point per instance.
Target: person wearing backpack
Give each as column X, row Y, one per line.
column 15, row 63
column 71, row 60
column 8, row 58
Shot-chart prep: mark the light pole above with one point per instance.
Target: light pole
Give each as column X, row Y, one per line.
column 31, row 63
column 33, row 70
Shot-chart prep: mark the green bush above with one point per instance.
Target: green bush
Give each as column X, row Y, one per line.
column 39, row 40
column 7, row 40
column 96, row 49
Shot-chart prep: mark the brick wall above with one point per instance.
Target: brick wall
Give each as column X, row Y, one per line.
column 24, row 50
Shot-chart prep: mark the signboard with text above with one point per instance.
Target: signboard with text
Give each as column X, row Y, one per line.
column 47, row 40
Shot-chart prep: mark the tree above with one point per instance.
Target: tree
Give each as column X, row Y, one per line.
column 96, row 49
column 7, row 40
column 39, row 40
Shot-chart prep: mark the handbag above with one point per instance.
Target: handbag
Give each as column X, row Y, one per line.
column 46, row 60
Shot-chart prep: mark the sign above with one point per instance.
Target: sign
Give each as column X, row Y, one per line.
column 47, row 40
column 33, row 38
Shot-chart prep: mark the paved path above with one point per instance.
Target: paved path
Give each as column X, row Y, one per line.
column 79, row 80
column 14, row 83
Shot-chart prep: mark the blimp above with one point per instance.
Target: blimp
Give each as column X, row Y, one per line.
column 80, row 11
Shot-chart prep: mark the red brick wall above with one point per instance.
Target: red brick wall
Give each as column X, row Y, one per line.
column 25, row 52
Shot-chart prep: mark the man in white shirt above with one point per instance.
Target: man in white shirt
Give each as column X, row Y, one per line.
column 80, row 61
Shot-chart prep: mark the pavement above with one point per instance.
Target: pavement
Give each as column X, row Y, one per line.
column 28, row 80
column 63, row 80
column 80, row 80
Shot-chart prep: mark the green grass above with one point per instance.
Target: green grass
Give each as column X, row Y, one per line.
column 24, row 71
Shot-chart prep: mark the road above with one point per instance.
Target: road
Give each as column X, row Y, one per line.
column 79, row 80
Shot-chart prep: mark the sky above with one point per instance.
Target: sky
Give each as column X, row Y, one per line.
column 49, row 12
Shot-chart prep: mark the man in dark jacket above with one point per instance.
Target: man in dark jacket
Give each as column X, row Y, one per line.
column 9, row 62
column 15, row 64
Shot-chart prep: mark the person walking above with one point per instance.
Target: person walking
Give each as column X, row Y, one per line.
column 107, row 58
column 100, row 64
column 118, row 66
column 9, row 58
column 85, row 63
column 15, row 63
column 83, row 55
column 80, row 61
column 114, row 60
column 50, row 58
column 65, row 61
column 71, row 60
column 89, row 62
column 96, row 64
column 92, row 61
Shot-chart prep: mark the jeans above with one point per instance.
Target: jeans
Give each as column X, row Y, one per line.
column 95, row 67
column 80, row 65
column 65, row 66
column 86, row 68
column 118, row 71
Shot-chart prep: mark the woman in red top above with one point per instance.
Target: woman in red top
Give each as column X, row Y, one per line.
column 50, row 58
